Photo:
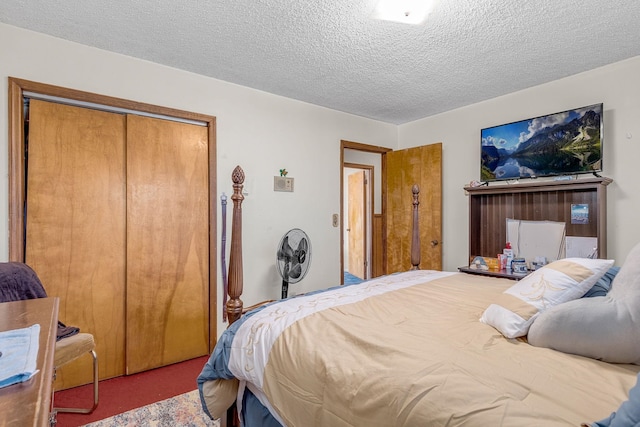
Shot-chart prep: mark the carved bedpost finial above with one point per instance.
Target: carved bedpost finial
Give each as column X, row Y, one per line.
column 415, row 239
column 237, row 176
column 234, row 304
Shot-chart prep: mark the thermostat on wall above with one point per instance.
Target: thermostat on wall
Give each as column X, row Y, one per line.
column 282, row 183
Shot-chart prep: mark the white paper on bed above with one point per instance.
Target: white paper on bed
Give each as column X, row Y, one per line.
column 531, row 239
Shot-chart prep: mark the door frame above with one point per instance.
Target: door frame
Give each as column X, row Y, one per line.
column 17, row 166
column 351, row 145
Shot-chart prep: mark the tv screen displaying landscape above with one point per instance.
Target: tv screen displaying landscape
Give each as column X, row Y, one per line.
column 565, row 143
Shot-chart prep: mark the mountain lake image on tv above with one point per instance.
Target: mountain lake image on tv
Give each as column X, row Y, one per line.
column 565, row 143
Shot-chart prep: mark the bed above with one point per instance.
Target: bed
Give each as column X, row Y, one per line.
column 424, row 348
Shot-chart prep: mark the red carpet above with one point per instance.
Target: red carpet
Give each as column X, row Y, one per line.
column 122, row 394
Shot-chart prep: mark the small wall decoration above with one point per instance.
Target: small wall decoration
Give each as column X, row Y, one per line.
column 580, row 214
column 282, row 182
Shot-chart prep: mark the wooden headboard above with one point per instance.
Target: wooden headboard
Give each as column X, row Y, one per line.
column 490, row 206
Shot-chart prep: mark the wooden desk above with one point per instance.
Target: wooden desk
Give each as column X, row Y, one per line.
column 29, row 403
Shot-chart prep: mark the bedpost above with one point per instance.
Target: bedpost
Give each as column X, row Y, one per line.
column 415, row 231
column 234, row 304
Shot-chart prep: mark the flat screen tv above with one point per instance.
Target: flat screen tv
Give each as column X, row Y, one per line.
column 564, row 143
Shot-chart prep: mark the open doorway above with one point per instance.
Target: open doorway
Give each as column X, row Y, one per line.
column 370, row 160
column 394, row 174
column 358, row 210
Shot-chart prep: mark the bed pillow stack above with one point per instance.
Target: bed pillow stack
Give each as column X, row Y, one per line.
column 605, row 328
column 561, row 281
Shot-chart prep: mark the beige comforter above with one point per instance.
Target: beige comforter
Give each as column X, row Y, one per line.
column 418, row 356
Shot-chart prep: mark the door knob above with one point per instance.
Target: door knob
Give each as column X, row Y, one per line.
column 434, row 243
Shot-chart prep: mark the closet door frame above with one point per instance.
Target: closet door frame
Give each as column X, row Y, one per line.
column 17, row 167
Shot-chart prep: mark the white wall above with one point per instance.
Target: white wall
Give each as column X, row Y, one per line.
column 616, row 85
column 259, row 131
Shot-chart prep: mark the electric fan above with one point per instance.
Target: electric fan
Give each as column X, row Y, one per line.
column 293, row 258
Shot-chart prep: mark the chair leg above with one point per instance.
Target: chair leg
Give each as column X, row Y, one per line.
column 95, row 391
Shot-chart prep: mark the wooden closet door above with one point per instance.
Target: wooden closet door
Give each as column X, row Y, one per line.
column 167, row 242
column 75, row 225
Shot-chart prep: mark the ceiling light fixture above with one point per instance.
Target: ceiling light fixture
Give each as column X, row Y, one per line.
column 405, row 11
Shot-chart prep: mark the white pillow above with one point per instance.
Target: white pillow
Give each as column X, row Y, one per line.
column 605, row 328
column 563, row 280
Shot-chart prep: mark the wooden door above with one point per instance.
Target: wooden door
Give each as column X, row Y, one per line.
column 357, row 235
column 75, row 225
column 422, row 166
column 167, row 242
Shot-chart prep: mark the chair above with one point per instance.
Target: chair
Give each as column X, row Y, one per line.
column 18, row 281
column 69, row 349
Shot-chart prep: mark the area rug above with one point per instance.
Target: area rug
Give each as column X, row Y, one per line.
column 183, row 410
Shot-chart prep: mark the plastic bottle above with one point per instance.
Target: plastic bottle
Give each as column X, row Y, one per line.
column 509, row 253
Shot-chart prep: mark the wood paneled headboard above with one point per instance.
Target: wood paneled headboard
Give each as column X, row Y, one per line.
column 490, row 206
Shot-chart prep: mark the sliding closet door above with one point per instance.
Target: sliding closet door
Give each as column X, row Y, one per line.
column 167, row 242
column 75, row 225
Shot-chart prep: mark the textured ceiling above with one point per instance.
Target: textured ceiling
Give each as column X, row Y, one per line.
column 332, row 53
